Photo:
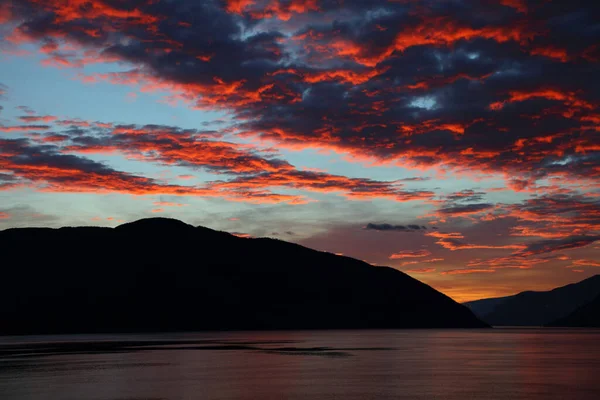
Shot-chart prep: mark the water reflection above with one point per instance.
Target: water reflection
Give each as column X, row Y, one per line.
column 448, row 364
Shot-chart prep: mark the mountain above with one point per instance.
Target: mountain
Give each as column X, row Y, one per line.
column 536, row 308
column 485, row 306
column 587, row 316
column 164, row 275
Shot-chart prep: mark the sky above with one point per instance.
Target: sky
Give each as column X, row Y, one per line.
column 457, row 141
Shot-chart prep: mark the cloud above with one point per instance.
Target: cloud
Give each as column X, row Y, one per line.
column 451, row 241
column 25, row 216
column 433, row 260
column 584, row 263
column 556, row 216
column 421, row 270
column 251, row 173
column 168, row 204
column 309, row 74
column 513, row 261
column 410, row 254
column 45, row 168
column 505, row 89
column 467, row 271
column 37, row 118
column 553, row 245
column 24, row 128
column 26, row 110
column 465, row 209
column 397, row 228
column 455, row 244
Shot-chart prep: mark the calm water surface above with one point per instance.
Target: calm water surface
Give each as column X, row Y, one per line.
column 362, row 365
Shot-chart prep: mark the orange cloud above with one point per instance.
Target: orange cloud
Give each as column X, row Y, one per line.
column 467, row 271
column 168, row 204
column 410, row 254
column 585, row 263
column 421, row 270
column 451, row 242
column 433, row 260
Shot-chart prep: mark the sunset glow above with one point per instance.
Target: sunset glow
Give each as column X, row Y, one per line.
column 457, row 141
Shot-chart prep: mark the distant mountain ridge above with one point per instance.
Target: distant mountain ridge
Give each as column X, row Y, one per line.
column 164, row 275
column 586, row 316
column 536, row 308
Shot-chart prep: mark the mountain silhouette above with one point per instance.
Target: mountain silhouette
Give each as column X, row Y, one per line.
column 164, row 275
column 536, row 308
column 587, row 315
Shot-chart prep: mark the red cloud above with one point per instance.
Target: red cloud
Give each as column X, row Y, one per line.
column 100, row 9
column 432, row 31
column 238, row 6
column 342, row 75
column 47, row 170
column 519, row 5
column 282, row 10
column 352, row 188
column 551, row 52
column 571, row 100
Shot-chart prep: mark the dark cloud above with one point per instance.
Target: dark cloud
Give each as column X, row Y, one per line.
column 465, row 209
column 553, row 245
column 555, row 216
column 46, row 168
column 489, row 87
column 26, row 110
column 23, row 128
column 248, row 174
column 397, row 228
column 464, row 196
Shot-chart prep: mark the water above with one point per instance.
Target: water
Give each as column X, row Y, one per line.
column 362, row 365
